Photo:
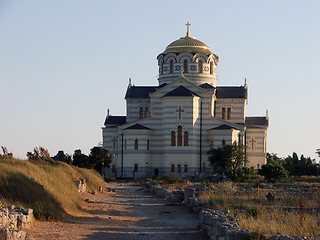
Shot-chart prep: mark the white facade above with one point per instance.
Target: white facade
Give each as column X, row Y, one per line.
column 169, row 128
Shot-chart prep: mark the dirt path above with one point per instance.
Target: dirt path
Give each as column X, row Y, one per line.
column 129, row 213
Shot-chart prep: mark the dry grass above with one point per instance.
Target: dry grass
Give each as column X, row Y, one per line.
column 289, row 213
column 46, row 186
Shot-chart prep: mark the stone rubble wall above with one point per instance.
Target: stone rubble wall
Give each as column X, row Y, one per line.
column 81, row 185
column 217, row 224
column 12, row 220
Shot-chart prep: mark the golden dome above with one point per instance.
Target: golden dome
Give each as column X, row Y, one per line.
column 187, row 44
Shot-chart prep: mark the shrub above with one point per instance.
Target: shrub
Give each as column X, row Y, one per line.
column 273, row 171
column 253, row 212
column 226, row 186
column 170, row 179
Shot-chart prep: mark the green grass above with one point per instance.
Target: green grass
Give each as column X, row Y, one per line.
column 45, row 186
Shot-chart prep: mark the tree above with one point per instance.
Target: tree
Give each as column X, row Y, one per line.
column 39, row 154
column 228, row 160
column 299, row 167
column 273, row 171
column 273, row 157
column 6, row 154
column 99, row 158
column 80, row 159
column 60, row 156
column 318, row 152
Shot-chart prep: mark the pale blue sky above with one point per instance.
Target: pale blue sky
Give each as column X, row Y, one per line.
column 64, row 62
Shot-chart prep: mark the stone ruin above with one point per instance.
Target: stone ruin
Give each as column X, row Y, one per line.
column 81, row 185
column 216, row 223
column 12, row 220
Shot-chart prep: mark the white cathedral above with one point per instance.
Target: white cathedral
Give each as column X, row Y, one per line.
column 169, row 128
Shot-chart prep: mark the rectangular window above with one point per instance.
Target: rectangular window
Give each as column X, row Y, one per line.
column 136, row 144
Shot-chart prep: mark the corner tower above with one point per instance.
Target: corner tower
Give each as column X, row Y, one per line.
column 190, row 56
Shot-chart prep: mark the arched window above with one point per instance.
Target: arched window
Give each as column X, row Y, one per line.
column 223, row 113
column 186, row 168
column 179, row 136
column 125, row 144
column 211, row 67
column 185, row 66
column 136, row 168
column 186, row 138
column 200, row 66
column 173, row 138
column 172, row 167
column 171, row 66
column 161, row 71
column 148, row 144
column 141, row 112
column 136, row 144
column 179, row 167
column 229, row 113
column 223, row 143
column 146, row 112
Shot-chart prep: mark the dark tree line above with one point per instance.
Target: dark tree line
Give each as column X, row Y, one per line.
column 294, row 165
column 97, row 159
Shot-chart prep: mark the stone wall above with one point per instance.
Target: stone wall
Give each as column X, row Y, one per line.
column 217, row 224
column 12, row 220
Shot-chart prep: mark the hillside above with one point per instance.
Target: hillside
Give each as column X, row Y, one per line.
column 46, row 186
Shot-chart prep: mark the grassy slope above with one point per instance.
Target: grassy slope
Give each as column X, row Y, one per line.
column 47, row 187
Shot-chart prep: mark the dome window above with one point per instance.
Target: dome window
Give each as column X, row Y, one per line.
column 200, row 66
column 185, row 66
column 211, row 67
column 171, row 66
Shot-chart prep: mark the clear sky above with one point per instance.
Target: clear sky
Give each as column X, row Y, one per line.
column 64, row 62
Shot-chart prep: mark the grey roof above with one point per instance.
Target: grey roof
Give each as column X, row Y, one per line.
column 223, row 127
column 137, row 127
column 231, row 92
column 180, row 91
column 115, row 120
column 207, row 86
column 257, row 121
column 142, row 91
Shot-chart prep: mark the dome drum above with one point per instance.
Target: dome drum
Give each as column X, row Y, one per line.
column 191, row 57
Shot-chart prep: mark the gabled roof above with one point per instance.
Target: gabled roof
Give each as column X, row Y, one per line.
column 231, row 92
column 115, row 120
column 181, row 91
column 137, row 127
column 207, row 86
column 223, row 127
column 142, row 91
column 257, row 121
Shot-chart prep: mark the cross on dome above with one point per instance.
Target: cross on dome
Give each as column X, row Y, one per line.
column 188, row 25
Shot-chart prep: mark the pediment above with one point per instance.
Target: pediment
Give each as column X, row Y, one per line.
column 182, row 83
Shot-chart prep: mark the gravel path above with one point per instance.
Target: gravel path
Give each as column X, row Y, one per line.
column 129, row 213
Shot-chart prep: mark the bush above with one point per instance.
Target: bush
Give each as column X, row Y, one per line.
column 227, row 186
column 170, row 179
column 273, row 171
column 253, row 212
